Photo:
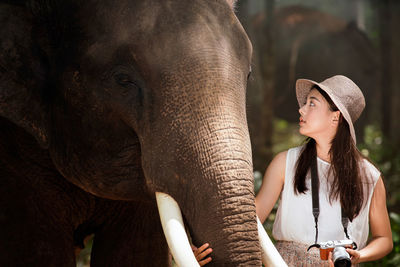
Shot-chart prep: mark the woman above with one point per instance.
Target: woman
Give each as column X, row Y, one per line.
column 351, row 195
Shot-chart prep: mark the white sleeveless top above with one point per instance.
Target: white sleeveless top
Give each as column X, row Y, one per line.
column 294, row 219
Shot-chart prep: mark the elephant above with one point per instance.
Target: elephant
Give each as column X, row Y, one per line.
column 105, row 104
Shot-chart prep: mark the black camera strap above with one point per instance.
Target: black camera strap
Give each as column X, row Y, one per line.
column 315, row 195
column 315, row 200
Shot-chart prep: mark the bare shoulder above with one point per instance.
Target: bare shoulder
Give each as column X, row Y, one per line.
column 281, row 156
column 277, row 166
column 279, row 161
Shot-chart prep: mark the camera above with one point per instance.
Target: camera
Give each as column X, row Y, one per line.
column 340, row 257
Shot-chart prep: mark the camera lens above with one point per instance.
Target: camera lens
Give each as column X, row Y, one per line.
column 343, row 263
column 340, row 257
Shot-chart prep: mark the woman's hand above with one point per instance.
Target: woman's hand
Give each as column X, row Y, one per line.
column 354, row 254
column 354, row 257
column 201, row 252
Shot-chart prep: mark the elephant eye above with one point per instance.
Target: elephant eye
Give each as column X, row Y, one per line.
column 124, row 79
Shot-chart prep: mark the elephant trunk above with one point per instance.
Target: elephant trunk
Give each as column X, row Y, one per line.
column 228, row 223
column 213, row 183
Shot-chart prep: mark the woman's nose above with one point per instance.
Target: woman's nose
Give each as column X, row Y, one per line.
column 301, row 110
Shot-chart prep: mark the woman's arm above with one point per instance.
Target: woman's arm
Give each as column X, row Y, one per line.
column 381, row 243
column 271, row 187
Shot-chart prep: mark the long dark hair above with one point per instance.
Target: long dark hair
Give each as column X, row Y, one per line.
column 348, row 178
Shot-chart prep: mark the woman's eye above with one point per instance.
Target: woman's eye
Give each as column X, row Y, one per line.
column 312, row 104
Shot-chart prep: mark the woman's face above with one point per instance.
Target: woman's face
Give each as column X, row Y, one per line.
column 316, row 119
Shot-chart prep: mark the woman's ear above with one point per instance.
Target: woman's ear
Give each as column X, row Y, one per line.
column 23, row 73
column 335, row 117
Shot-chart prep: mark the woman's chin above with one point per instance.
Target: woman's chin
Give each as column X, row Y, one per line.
column 302, row 132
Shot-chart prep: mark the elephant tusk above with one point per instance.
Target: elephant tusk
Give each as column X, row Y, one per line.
column 270, row 255
column 174, row 231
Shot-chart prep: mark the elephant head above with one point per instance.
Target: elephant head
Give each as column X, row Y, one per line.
column 136, row 97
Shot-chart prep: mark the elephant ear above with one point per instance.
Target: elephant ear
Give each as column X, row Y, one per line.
column 23, row 72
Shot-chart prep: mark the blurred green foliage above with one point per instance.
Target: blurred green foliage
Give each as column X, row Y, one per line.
column 83, row 258
column 387, row 158
column 382, row 153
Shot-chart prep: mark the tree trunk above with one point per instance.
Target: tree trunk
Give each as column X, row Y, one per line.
column 267, row 65
column 260, row 89
column 389, row 24
column 358, row 13
column 395, row 70
column 386, row 49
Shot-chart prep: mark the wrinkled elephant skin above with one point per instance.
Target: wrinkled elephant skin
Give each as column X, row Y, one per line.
column 104, row 103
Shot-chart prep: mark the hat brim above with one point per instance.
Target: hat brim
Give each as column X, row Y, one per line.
column 303, row 88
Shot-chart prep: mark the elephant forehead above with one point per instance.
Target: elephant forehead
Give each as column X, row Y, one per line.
column 160, row 28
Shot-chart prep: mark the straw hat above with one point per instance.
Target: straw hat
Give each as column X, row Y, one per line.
column 346, row 95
